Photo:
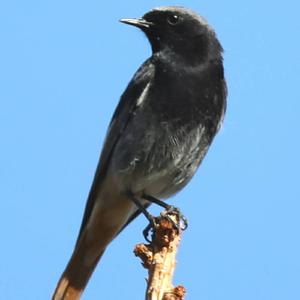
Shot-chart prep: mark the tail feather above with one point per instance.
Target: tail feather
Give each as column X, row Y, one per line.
column 74, row 278
column 107, row 219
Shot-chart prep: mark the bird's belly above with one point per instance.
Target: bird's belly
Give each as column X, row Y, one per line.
column 169, row 180
column 158, row 164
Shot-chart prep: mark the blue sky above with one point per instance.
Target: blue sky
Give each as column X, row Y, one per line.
column 63, row 66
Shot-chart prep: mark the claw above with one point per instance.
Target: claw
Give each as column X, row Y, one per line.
column 150, row 226
column 182, row 220
column 171, row 210
column 182, row 223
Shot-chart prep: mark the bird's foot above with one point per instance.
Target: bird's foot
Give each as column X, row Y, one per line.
column 181, row 223
column 150, row 227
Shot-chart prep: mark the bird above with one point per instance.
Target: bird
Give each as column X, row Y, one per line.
column 161, row 130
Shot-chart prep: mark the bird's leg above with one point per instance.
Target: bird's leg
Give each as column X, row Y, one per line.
column 171, row 210
column 150, row 218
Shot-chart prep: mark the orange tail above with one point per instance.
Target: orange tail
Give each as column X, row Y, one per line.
column 75, row 277
column 103, row 225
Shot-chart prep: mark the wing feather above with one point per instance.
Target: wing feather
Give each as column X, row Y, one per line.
column 125, row 110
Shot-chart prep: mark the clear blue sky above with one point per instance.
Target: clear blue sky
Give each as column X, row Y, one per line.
column 63, row 66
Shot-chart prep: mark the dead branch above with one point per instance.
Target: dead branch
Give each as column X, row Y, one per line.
column 159, row 257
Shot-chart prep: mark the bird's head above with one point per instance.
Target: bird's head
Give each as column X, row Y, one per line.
column 179, row 30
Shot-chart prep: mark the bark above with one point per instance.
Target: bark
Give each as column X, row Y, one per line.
column 159, row 258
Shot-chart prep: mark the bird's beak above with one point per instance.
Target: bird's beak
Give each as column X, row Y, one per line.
column 141, row 23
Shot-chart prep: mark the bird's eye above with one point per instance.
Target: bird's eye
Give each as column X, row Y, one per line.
column 173, row 19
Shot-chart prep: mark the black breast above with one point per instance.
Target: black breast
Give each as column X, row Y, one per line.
column 189, row 96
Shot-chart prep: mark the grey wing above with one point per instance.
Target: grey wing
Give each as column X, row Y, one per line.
column 121, row 117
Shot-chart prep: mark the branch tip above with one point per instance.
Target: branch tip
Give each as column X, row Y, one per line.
column 159, row 257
